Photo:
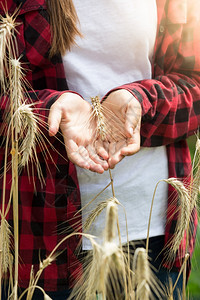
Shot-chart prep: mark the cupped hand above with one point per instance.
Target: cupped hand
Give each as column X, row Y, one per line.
column 72, row 115
column 122, row 113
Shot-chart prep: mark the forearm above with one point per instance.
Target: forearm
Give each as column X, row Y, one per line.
column 170, row 108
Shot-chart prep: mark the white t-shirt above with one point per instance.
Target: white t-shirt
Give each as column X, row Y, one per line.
column 117, row 48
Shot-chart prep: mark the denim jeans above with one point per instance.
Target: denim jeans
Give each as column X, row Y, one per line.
column 38, row 295
column 155, row 254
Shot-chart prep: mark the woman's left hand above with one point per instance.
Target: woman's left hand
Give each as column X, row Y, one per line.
column 122, row 113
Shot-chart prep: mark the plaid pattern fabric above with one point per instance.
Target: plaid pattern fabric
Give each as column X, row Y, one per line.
column 170, row 101
column 170, row 113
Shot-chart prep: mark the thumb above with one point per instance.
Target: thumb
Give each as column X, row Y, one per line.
column 129, row 121
column 128, row 129
column 132, row 117
column 54, row 119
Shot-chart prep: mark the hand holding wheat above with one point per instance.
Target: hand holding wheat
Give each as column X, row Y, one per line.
column 123, row 123
column 71, row 113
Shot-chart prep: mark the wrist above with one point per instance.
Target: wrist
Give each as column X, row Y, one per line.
column 71, row 102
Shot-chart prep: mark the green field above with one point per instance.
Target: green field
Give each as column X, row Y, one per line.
column 194, row 280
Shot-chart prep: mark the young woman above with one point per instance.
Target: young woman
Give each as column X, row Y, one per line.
column 141, row 58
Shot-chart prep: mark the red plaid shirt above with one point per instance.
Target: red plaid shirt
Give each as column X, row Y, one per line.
column 171, row 112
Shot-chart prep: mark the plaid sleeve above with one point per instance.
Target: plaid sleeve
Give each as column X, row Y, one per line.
column 42, row 101
column 171, row 100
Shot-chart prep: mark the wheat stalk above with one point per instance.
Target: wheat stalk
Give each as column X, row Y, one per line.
column 45, row 263
column 184, row 213
column 15, row 80
column 34, row 280
column 196, row 176
column 15, row 101
column 106, row 272
column 111, row 223
column 33, row 287
column 7, row 27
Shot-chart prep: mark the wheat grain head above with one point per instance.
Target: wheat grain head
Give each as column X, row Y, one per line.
column 184, row 213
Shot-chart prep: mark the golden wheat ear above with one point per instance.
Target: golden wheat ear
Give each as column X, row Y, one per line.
column 97, row 211
column 109, row 126
column 114, row 279
column 8, row 26
column 145, row 282
column 101, row 126
column 7, row 69
column 184, row 213
column 105, row 267
column 6, row 248
column 195, row 183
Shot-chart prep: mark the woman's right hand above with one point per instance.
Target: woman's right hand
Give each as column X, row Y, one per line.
column 72, row 115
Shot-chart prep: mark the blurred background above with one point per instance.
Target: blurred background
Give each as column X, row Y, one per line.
column 193, row 288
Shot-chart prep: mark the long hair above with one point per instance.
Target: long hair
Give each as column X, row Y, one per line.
column 64, row 25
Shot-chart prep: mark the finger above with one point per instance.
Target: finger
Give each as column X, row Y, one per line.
column 83, row 160
column 102, row 149
column 132, row 119
column 132, row 147
column 54, row 119
column 96, row 158
column 106, row 146
column 76, row 155
column 116, row 157
column 129, row 123
column 111, row 148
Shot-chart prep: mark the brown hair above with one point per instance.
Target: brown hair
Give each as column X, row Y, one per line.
column 63, row 22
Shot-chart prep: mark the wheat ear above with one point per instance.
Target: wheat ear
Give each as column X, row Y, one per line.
column 7, row 28
column 5, row 244
column 6, row 257
column 142, row 274
column 102, row 133
column 196, row 176
column 96, row 212
column 105, row 270
column 145, row 281
column 101, row 127
column 29, row 130
column 184, row 213
column 15, row 99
